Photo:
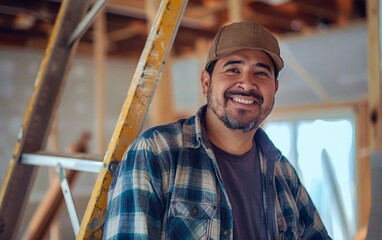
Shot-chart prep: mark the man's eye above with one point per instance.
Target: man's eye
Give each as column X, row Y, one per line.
column 233, row 70
column 262, row 74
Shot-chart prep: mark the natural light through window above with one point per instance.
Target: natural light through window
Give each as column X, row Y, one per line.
column 280, row 133
column 331, row 184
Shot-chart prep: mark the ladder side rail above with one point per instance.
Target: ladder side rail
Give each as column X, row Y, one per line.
column 33, row 133
column 139, row 96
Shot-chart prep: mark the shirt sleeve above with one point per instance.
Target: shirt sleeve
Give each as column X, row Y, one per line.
column 135, row 201
column 314, row 227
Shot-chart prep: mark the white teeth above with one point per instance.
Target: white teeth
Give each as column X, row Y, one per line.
column 244, row 101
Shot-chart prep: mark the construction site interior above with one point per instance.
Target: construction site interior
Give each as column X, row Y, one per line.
column 326, row 114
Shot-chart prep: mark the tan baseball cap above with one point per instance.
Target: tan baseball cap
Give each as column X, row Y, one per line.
column 244, row 35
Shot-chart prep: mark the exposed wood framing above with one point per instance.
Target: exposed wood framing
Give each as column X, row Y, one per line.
column 282, row 111
column 345, row 10
column 150, row 7
column 235, row 11
column 373, row 120
column 132, row 30
column 195, row 17
column 363, row 165
column 100, row 46
column 52, row 145
column 162, row 106
column 202, row 47
column 375, row 86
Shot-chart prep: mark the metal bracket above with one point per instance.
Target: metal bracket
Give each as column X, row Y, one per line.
column 86, row 21
column 68, row 198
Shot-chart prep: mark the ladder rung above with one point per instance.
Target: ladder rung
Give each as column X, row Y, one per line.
column 84, row 163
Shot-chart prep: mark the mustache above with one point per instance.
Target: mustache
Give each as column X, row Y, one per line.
column 254, row 94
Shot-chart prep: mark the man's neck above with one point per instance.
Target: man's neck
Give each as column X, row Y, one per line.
column 235, row 142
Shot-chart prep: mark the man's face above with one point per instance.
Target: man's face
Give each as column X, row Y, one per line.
column 241, row 90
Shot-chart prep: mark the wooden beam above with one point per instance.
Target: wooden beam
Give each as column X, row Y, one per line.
column 317, row 11
column 202, row 46
column 135, row 29
column 100, row 51
column 274, row 21
column 52, row 145
column 334, row 106
column 363, row 165
column 193, row 11
column 194, row 18
column 150, row 8
column 374, row 118
column 235, row 11
column 375, row 86
column 345, row 9
column 162, row 107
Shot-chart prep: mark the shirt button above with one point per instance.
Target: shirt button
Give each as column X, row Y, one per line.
column 225, row 233
column 195, row 211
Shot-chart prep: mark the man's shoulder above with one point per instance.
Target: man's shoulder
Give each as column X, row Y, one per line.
column 180, row 133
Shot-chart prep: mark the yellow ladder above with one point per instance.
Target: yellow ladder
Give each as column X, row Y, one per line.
column 73, row 19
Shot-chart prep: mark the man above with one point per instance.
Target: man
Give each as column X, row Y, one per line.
column 216, row 175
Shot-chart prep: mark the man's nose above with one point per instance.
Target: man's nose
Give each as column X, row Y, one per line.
column 248, row 81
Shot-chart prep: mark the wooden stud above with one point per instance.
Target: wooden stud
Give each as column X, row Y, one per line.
column 363, row 165
column 100, row 50
column 375, row 86
column 235, row 11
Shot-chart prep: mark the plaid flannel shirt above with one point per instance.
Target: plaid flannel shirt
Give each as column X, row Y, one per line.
column 168, row 186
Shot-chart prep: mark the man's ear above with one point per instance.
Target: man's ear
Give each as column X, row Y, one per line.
column 276, row 85
column 205, row 80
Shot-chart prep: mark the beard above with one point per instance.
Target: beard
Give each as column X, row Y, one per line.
column 239, row 119
column 236, row 124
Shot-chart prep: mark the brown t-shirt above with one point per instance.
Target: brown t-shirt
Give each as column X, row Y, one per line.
column 242, row 182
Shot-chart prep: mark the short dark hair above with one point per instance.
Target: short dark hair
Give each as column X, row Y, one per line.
column 211, row 68
column 275, row 68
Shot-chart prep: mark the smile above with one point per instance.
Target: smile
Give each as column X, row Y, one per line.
column 243, row 101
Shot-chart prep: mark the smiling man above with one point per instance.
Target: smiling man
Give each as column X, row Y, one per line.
column 216, row 175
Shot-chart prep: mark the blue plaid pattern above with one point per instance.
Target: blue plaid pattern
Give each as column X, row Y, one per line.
column 168, row 186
